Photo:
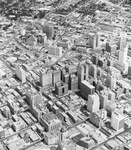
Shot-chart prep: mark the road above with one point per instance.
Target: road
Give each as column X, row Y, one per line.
column 7, row 65
column 16, row 133
column 76, row 124
column 94, row 148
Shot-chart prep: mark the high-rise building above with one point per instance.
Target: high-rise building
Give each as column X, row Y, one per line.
column 111, row 81
column 93, row 103
column 98, row 118
column 123, row 54
column 117, row 121
column 61, row 88
column 87, row 89
column 49, row 30
column 73, row 82
column 122, row 63
column 20, row 73
column 56, row 76
column 51, row 122
column 93, row 71
column 122, row 41
column 111, row 48
column 45, row 78
column 6, row 111
column 94, row 40
column 2, row 132
column 82, row 72
column 103, row 99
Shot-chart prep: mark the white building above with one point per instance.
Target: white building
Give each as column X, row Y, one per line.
column 93, row 103
column 20, row 73
column 117, row 121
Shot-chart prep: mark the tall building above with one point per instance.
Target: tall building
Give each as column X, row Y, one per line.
column 117, row 121
column 73, row 82
column 98, row 118
column 61, row 88
column 111, row 48
column 103, row 99
column 122, row 41
column 51, row 122
column 49, row 30
column 111, row 81
column 123, row 54
column 20, row 73
column 93, row 103
column 87, row 89
column 56, row 76
column 122, row 63
column 94, row 40
column 93, row 71
column 45, row 78
column 82, row 72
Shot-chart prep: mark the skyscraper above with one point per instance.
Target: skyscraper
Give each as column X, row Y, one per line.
column 94, row 40
column 117, row 121
column 49, row 30
column 45, row 78
column 82, row 72
column 93, row 103
column 20, row 73
column 122, row 41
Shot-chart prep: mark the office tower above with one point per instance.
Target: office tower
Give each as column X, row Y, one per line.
column 71, row 68
column 129, row 72
column 20, row 73
column 6, row 112
column 98, row 118
column 73, row 82
column 111, row 48
column 2, row 132
column 93, row 103
column 61, row 88
column 45, row 78
column 56, row 76
column 117, row 121
column 103, row 99
column 33, row 99
column 95, row 59
column 123, row 55
column 49, row 30
column 111, row 81
column 102, row 62
column 122, row 41
column 122, row 63
column 94, row 40
column 87, row 89
column 58, row 51
column 51, row 122
column 82, row 72
column 93, row 71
